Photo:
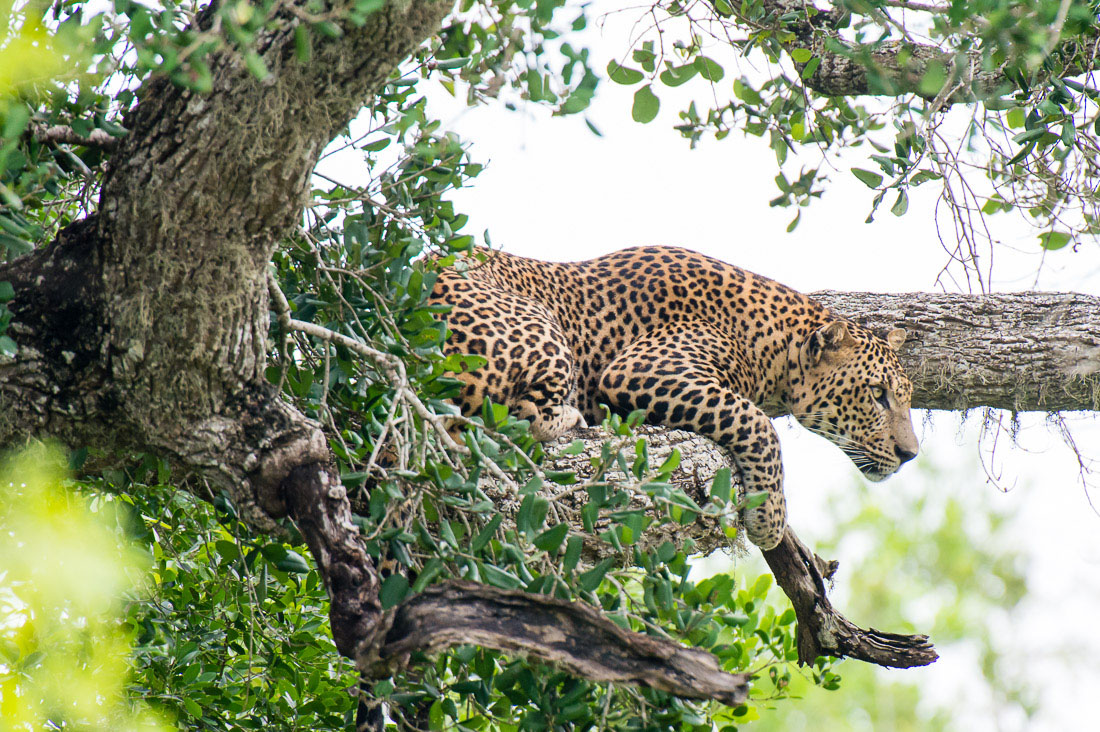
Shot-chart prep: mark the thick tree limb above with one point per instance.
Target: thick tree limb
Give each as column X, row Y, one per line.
column 1028, row 351
column 571, row 635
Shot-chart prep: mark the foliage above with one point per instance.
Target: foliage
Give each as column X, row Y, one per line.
column 1031, row 132
column 234, row 634
column 66, row 568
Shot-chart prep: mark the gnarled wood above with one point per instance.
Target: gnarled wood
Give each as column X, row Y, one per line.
column 822, row 631
column 571, row 635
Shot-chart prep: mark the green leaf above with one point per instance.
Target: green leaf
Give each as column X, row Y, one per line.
column 483, row 536
column 1052, row 240
column 901, row 205
column 572, row 553
column 753, row 500
column 671, row 462
column 256, row 65
column 431, row 569
column 302, row 48
column 7, row 292
column 551, row 539
column 933, row 80
column 497, row 577
column 293, row 563
column 453, row 63
column 623, row 74
column 1015, row 118
column 761, row 585
column 192, row 707
column 394, row 589
column 720, row 488
column 746, row 93
column 809, row 69
column 801, row 55
column 1029, row 135
column 709, row 69
column 869, row 178
column 677, row 75
column 646, row 105
column 591, row 579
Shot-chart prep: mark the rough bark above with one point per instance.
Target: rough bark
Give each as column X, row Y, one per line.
column 1031, row 351
column 571, row 635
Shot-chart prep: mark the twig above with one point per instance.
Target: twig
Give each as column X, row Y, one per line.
column 64, row 135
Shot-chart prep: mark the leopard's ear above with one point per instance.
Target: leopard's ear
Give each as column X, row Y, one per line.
column 828, row 338
column 896, row 338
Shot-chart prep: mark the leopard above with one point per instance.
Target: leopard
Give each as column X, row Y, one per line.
column 696, row 343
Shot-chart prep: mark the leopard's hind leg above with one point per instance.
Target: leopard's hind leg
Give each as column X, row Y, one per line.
column 530, row 368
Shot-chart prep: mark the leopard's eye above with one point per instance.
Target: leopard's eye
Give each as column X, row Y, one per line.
column 878, row 393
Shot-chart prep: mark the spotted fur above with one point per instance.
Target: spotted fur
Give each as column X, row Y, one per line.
column 699, row 344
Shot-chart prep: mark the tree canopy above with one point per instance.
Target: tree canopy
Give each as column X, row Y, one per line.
column 240, row 352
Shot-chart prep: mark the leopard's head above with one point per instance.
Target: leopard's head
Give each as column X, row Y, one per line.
column 847, row 385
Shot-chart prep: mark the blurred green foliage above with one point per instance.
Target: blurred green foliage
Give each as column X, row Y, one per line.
column 65, row 572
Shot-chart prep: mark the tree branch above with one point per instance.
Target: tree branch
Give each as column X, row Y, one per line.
column 822, row 631
column 1028, row 351
column 570, row 635
column 62, row 134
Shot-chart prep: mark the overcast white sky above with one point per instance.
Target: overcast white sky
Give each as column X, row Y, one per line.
column 553, row 190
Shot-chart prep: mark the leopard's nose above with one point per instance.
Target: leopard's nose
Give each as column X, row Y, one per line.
column 904, row 455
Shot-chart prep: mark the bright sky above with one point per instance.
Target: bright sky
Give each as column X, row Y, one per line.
column 553, row 190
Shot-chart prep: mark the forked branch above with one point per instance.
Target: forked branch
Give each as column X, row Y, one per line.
column 822, row 631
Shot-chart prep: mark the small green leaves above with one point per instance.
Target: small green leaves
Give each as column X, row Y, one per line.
column 709, row 69
column 869, row 178
column 1052, row 240
column 1030, row 135
column 394, row 589
column 623, row 74
column 646, row 105
column 801, row 55
column 552, row 538
column 901, row 205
